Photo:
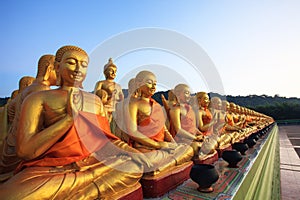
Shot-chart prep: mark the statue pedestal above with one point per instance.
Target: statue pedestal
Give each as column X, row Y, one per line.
column 134, row 192
column 157, row 185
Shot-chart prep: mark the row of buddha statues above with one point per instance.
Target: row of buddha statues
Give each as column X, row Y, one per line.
column 67, row 143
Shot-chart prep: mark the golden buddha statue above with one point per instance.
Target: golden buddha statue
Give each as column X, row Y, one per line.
column 10, row 109
column 147, row 130
column 230, row 127
column 236, row 121
column 45, row 78
column 205, row 119
column 65, row 141
column 182, row 116
column 112, row 88
column 4, row 122
column 23, row 83
column 220, row 126
column 235, row 112
column 205, row 123
column 122, row 111
column 182, row 121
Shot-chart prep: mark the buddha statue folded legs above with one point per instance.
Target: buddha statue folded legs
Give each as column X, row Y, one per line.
column 72, row 182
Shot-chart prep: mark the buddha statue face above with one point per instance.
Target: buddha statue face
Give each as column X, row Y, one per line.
column 203, row 99
column 243, row 111
column 225, row 105
column 146, row 83
column 111, row 72
column 182, row 92
column 237, row 109
column 232, row 107
column 73, row 67
column 216, row 103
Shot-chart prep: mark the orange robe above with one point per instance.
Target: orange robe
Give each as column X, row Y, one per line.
column 207, row 119
column 229, row 119
column 89, row 133
column 153, row 125
column 187, row 122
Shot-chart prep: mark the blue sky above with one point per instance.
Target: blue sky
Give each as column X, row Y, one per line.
column 254, row 45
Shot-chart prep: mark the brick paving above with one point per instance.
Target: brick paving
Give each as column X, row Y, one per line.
column 289, row 138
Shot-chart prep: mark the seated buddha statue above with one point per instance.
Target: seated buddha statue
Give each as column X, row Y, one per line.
column 235, row 112
column 237, row 120
column 45, row 78
column 122, row 110
column 112, row 88
column 206, row 121
column 147, row 130
column 220, row 125
column 9, row 110
column 24, row 82
column 4, row 122
column 182, row 119
column 66, row 144
column 230, row 127
column 249, row 118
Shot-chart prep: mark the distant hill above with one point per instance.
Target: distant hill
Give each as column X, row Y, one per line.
column 3, row 101
column 280, row 108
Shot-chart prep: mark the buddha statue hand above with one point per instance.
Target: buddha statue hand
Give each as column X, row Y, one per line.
column 136, row 155
column 74, row 103
column 141, row 159
column 167, row 146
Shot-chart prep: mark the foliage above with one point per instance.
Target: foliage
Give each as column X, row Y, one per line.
column 277, row 107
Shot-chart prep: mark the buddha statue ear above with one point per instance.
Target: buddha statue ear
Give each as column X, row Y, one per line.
column 138, row 84
column 139, row 93
column 58, row 77
column 47, row 71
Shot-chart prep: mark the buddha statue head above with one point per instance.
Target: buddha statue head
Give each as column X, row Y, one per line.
column 24, row 82
column 238, row 109
column 232, row 107
column 145, row 82
column 216, row 103
column 71, row 66
column 46, row 70
column 242, row 110
column 203, row 99
column 132, row 90
column 14, row 94
column 182, row 93
column 110, row 70
column 225, row 105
